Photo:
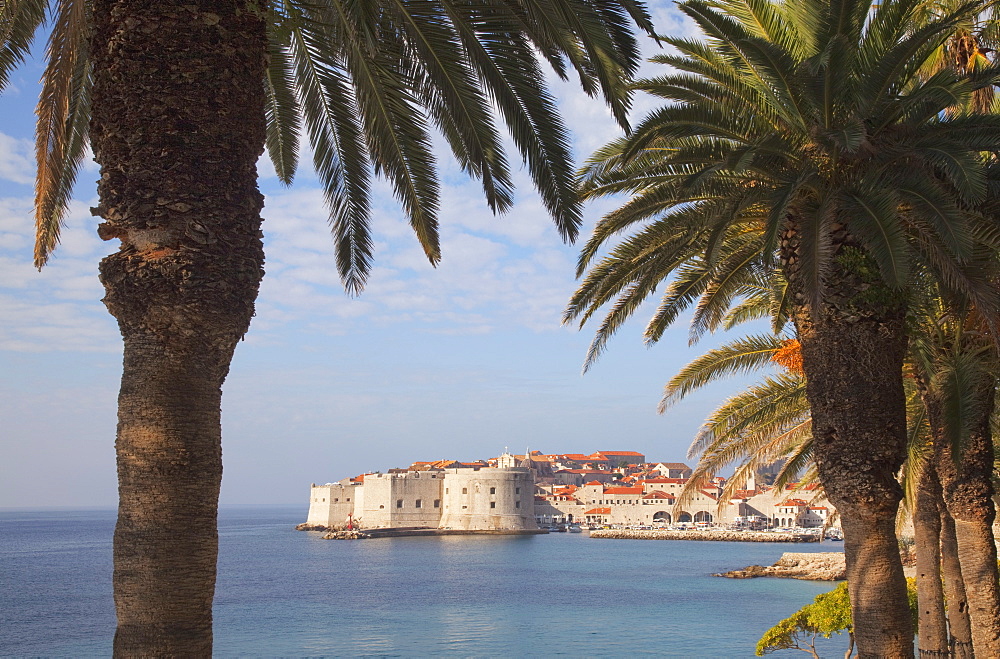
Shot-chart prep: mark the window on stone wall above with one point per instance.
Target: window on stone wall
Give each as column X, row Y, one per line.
column 399, row 503
column 419, row 503
column 517, row 504
column 493, row 490
column 465, row 490
column 517, row 490
column 381, row 507
column 493, row 504
column 437, row 503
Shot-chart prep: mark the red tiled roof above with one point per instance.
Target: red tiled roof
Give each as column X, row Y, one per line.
column 595, row 483
column 674, row 465
column 744, row 494
column 657, row 494
column 623, row 490
column 665, row 480
column 630, row 453
column 598, row 511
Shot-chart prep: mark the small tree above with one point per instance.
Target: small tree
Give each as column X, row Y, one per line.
column 829, row 614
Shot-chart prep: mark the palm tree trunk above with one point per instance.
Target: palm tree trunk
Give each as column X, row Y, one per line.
column 932, row 622
column 957, row 604
column 968, row 494
column 851, row 332
column 177, row 127
column 853, row 368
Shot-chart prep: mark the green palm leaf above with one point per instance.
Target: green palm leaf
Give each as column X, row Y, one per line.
column 63, row 114
column 19, row 20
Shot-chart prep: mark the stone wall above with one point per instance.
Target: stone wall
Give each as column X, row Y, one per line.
column 330, row 504
column 709, row 534
column 488, row 499
column 402, row 500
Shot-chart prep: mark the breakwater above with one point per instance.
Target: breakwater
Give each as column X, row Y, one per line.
column 708, row 534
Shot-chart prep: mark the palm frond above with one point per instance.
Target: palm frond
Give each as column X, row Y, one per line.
column 63, row 113
column 741, row 356
column 19, row 20
column 282, row 112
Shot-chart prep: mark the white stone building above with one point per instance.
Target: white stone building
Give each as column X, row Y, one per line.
column 472, row 499
column 655, row 501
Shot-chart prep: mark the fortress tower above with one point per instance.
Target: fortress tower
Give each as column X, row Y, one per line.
column 489, row 499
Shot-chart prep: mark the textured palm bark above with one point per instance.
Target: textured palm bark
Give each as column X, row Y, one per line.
column 931, row 620
column 177, row 127
column 854, row 385
column 956, row 603
column 853, row 345
column 968, row 494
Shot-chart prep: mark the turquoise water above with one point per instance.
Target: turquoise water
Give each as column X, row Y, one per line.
column 287, row 593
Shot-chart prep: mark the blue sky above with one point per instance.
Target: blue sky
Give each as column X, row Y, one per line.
column 454, row 362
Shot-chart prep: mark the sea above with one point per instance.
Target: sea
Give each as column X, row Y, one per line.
column 287, row 593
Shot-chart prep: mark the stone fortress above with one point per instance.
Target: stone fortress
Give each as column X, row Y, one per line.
column 519, row 493
column 475, row 498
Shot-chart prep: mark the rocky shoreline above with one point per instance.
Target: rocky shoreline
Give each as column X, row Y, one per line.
column 405, row 532
column 821, row 566
column 708, row 534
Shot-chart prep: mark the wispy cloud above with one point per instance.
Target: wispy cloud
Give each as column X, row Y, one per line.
column 17, row 163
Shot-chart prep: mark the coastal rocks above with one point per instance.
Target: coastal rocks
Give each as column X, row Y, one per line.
column 826, row 566
column 333, row 533
column 710, row 534
column 346, row 535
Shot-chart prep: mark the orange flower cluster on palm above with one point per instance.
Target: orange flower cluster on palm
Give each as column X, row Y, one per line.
column 789, row 356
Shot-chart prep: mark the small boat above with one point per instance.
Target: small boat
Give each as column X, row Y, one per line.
column 575, row 528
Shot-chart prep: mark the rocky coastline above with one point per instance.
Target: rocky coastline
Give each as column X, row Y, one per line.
column 708, row 534
column 822, row 566
column 339, row 533
column 346, row 535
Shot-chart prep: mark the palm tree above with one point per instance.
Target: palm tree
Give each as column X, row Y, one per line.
column 950, row 382
column 955, row 364
column 803, row 129
column 178, row 99
column 969, row 48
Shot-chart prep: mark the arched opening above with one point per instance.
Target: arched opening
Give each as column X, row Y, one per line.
column 661, row 516
column 703, row 516
column 684, row 518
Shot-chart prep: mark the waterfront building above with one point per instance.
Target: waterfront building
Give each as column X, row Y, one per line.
column 474, row 498
column 654, row 502
column 520, row 492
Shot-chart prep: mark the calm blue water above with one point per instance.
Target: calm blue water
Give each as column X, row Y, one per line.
column 287, row 593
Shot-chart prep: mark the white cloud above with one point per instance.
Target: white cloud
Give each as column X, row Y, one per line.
column 17, row 163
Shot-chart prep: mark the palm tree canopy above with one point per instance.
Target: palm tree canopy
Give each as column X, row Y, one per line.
column 801, row 118
column 369, row 83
